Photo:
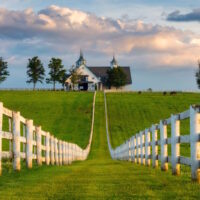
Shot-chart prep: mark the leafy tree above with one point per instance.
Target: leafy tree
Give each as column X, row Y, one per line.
column 3, row 70
column 35, row 71
column 56, row 68
column 75, row 76
column 116, row 77
column 63, row 77
column 198, row 75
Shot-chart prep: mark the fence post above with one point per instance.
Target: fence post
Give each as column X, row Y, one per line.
column 59, row 152
column 71, row 152
column 137, row 147
column 47, row 148
column 10, row 130
column 147, row 147
column 1, row 128
column 52, row 151
column 142, row 147
column 134, row 149
column 124, row 150
column 164, row 153
column 194, row 142
column 16, row 140
column 67, row 152
column 56, row 150
column 175, row 145
column 38, row 141
column 154, row 146
column 72, row 148
column 119, row 153
column 29, row 146
column 63, row 153
column 121, row 150
column 75, row 153
column 131, row 148
column 24, row 135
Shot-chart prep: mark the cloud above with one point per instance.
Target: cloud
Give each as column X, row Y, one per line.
column 60, row 31
column 188, row 17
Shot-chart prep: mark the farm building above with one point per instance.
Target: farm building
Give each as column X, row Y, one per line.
column 94, row 77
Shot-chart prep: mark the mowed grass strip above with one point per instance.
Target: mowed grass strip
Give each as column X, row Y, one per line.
column 97, row 178
column 66, row 115
column 130, row 113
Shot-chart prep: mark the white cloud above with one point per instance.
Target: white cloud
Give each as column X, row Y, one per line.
column 63, row 30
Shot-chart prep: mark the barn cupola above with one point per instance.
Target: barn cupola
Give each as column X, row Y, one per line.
column 81, row 60
column 113, row 63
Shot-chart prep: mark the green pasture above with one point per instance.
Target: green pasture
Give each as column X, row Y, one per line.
column 65, row 115
column 130, row 113
column 99, row 177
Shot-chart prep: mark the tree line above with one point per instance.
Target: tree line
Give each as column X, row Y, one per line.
column 36, row 72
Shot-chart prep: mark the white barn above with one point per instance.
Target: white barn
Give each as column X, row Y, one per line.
column 94, row 78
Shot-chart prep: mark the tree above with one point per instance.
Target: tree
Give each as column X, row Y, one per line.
column 75, row 76
column 116, row 77
column 3, row 70
column 198, row 75
column 56, row 67
column 35, row 71
column 63, row 77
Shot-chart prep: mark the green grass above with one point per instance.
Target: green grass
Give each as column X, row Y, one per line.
column 65, row 115
column 130, row 113
column 97, row 178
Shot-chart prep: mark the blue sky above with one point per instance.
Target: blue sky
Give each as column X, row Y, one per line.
column 159, row 40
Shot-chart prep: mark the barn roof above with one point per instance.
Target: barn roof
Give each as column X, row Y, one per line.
column 102, row 73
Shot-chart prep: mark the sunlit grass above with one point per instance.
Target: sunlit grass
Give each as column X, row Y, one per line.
column 97, row 178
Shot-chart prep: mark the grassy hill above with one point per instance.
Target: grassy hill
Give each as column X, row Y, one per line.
column 65, row 115
column 130, row 113
column 97, row 178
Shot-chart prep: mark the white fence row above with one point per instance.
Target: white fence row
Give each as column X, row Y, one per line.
column 30, row 142
column 142, row 148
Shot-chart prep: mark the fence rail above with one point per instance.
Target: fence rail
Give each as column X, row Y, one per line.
column 30, row 142
column 142, row 148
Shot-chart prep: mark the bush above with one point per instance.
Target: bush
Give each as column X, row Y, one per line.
column 149, row 90
column 173, row 93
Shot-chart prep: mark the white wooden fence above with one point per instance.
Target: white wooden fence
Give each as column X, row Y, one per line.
column 142, row 148
column 30, row 142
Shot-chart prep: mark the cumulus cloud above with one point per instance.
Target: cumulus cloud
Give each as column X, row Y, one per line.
column 188, row 17
column 60, row 30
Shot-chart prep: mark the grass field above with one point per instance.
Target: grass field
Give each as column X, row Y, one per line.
column 130, row 113
column 97, row 178
column 65, row 115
